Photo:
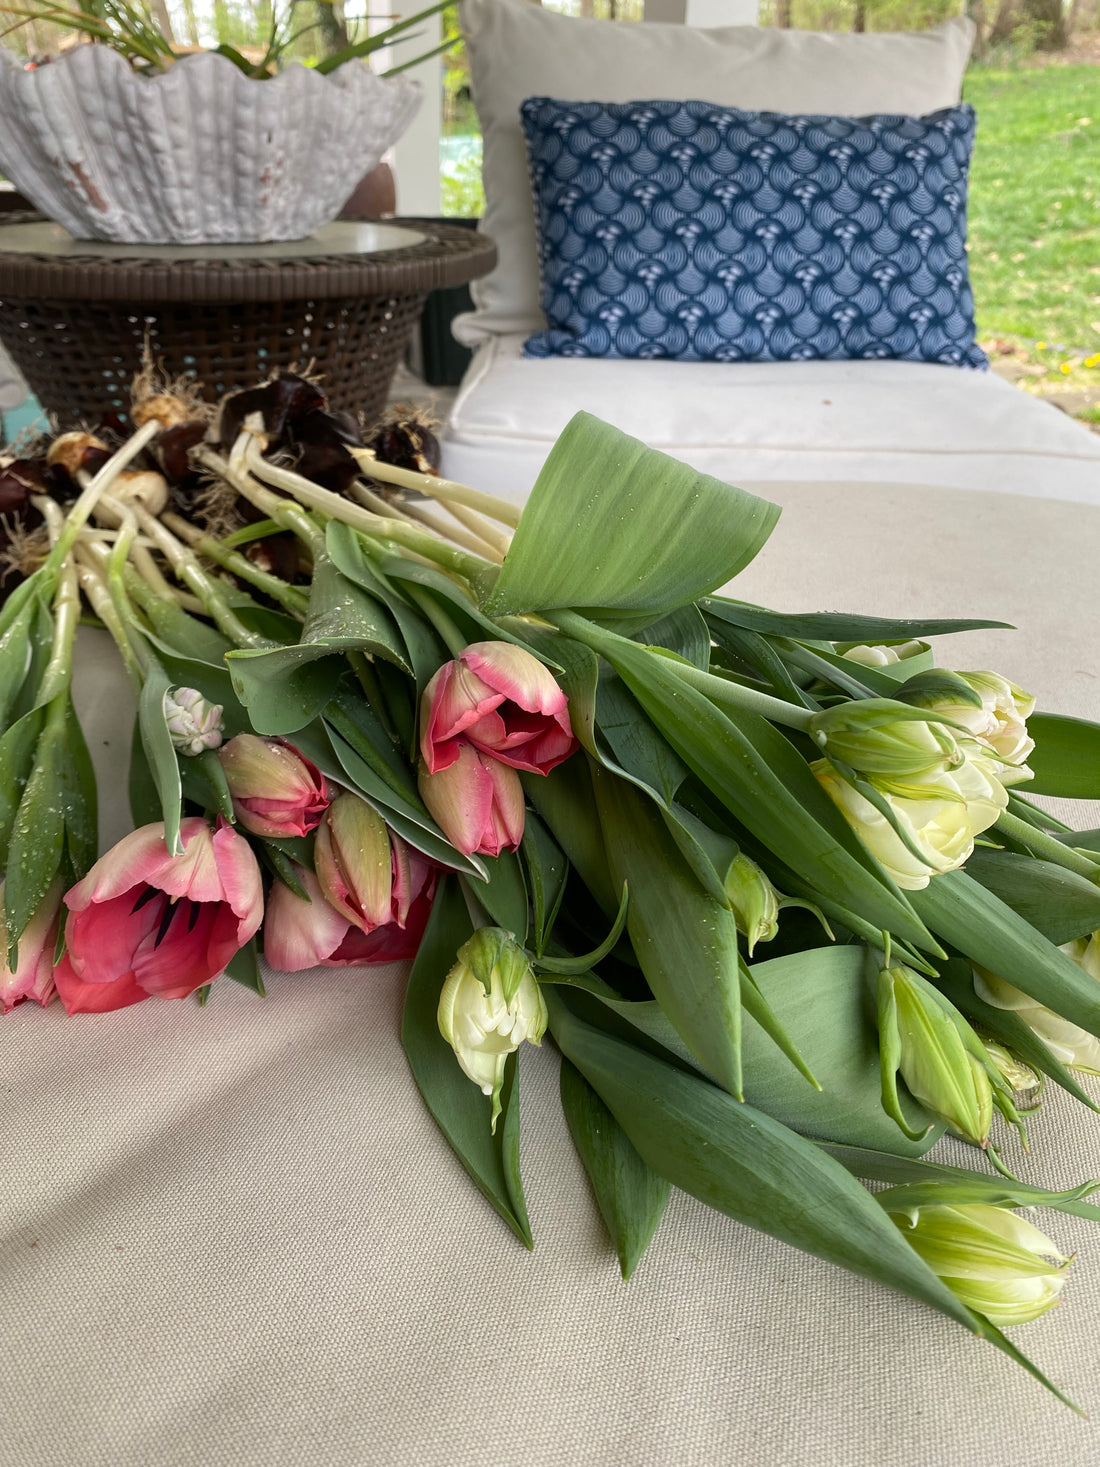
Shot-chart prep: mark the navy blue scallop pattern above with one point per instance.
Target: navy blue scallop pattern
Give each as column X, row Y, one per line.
column 693, row 231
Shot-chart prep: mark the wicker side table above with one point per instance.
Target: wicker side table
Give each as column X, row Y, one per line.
column 75, row 315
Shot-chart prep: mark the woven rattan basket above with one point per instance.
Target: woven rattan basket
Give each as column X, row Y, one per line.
column 77, row 327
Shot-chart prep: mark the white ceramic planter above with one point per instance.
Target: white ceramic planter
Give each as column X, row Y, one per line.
column 199, row 154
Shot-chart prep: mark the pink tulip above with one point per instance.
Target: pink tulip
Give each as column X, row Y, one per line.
column 504, row 702
column 276, row 790
column 32, row 976
column 144, row 923
column 355, row 862
column 476, row 801
column 309, row 934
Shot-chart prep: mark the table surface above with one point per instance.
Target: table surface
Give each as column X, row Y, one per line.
column 40, row 260
column 341, row 237
column 234, row 1235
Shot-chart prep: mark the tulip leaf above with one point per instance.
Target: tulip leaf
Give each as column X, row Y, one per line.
column 503, row 893
column 631, row 1198
column 685, row 941
column 1066, row 757
column 156, row 740
column 17, row 757
column 37, row 843
column 908, row 1174
column 603, row 507
column 934, row 685
column 282, row 867
column 837, row 626
column 744, row 1163
column 460, row 1110
column 1056, row 902
column 348, row 550
column 991, row 934
column 16, row 651
column 356, row 722
column 640, row 753
column 684, row 632
column 955, row 978
column 285, row 688
column 547, row 870
column 758, row 775
column 821, row 997
column 79, row 795
column 564, row 800
column 567, row 966
column 244, row 968
column 755, row 655
column 204, row 782
column 343, row 616
column 175, row 630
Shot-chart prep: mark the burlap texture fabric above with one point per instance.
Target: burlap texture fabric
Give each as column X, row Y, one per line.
column 234, row 1237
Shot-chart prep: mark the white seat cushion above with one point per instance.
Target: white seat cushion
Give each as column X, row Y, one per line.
column 863, row 421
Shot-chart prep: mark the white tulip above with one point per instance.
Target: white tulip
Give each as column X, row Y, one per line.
column 1075, row 1047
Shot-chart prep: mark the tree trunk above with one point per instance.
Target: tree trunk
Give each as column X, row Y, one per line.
column 859, row 25
column 1049, row 21
column 1005, row 21
column 192, row 22
column 783, row 14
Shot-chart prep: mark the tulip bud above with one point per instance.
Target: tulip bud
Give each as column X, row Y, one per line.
column 490, row 1004
column 476, row 801
column 276, row 790
column 753, row 900
column 998, row 724
column 1068, row 1043
column 354, row 862
column 893, row 745
column 194, row 723
column 996, row 1262
column 881, row 655
column 32, row 974
column 942, row 1061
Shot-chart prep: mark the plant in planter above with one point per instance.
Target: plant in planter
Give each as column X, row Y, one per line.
column 125, row 139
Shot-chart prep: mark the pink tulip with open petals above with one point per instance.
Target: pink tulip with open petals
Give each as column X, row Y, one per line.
column 144, row 923
column 32, row 976
column 476, row 801
column 501, row 700
column 310, row 934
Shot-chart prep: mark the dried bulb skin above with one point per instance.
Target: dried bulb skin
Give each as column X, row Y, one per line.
column 279, row 401
column 278, row 555
column 325, row 460
column 172, row 449
column 407, row 440
column 76, row 451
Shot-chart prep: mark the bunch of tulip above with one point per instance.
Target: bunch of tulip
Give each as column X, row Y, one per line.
column 770, row 882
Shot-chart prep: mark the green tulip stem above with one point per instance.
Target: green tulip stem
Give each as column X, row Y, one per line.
column 439, row 618
column 289, row 597
column 446, row 491
column 721, row 691
column 478, row 536
column 248, row 455
column 95, row 588
column 1046, row 847
column 96, row 487
column 187, row 567
column 286, row 513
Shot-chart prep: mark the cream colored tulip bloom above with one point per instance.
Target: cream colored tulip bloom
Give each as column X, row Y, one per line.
column 1075, row 1047
column 881, row 655
column 491, row 1003
column 999, row 725
column 961, row 804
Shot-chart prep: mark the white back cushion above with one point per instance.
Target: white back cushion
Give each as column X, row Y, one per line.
column 517, row 50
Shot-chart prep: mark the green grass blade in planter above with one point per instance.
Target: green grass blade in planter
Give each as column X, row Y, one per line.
column 461, row 1111
column 1066, row 756
column 631, row 1198
column 620, row 528
column 685, row 940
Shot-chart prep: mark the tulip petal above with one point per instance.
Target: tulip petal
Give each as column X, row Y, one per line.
column 460, row 799
column 94, row 998
column 301, row 934
column 511, row 671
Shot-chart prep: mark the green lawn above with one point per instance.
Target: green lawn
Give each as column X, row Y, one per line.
column 1035, row 207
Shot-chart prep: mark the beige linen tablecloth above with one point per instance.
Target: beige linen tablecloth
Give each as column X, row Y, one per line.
column 234, row 1236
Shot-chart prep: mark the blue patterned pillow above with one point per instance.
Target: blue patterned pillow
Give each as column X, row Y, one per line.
column 689, row 230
